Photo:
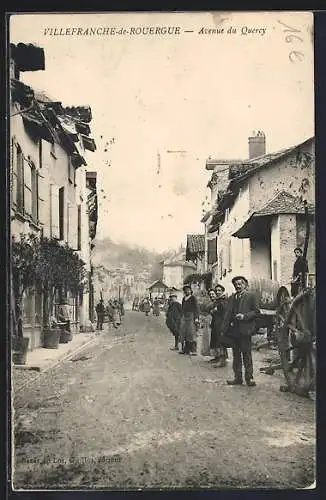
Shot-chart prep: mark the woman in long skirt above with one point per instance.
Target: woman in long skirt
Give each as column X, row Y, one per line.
column 217, row 312
column 189, row 321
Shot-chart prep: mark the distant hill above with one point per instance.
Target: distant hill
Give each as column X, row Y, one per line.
column 132, row 259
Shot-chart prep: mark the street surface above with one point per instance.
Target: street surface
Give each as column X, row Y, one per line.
column 130, row 413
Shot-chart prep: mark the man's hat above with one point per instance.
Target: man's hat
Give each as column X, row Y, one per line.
column 239, row 278
column 220, row 286
column 298, row 248
column 173, row 295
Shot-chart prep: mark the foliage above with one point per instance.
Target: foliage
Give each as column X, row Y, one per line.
column 24, row 256
column 198, row 278
column 46, row 263
column 59, row 266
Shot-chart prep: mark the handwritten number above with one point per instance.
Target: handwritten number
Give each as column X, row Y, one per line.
column 296, row 55
column 293, row 30
column 290, row 38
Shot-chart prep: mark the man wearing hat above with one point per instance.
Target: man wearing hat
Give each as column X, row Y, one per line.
column 189, row 321
column 239, row 325
column 300, row 270
column 173, row 316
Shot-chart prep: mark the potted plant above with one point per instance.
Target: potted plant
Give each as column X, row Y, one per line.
column 49, row 278
column 59, row 267
column 24, row 254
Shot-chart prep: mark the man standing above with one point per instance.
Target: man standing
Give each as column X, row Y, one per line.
column 173, row 317
column 300, row 270
column 239, row 325
column 100, row 311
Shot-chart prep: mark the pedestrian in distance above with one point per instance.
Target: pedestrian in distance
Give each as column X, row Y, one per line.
column 146, row 306
column 173, row 317
column 156, row 307
column 217, row 312
column 122, row 309
column 100, row 311
column 239, row 325
column 189, row 323
column 300, row 271
column 116, row 313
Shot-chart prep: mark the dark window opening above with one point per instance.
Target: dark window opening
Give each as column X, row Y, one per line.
column 61, row 213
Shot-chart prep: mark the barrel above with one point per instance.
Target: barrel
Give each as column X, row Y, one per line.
column 266, row 291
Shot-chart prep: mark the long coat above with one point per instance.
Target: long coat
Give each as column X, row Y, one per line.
column 217, row 312
column 190, row 313
column 173, row 317
column 248, row 306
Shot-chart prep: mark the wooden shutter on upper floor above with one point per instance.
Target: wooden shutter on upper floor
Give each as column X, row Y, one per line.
column 73, row 226
column 54, row 195
column 212, row 251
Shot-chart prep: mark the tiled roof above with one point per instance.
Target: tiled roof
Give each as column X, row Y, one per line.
column 283, row 203
column 241, row 172
column 196, row 243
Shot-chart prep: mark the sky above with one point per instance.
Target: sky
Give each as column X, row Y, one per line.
column 201, row 94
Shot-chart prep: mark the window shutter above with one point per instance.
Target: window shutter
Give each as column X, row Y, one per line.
column 212, row 251
column 72, row 226
column 54, row 195
column 230, row 256
column 13, row 172
column 43, row 197
column 28, row 188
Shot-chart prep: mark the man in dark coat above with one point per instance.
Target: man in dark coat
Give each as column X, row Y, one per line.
column 239, row 325
column 300, row 270
column 173, row 316
column 100, row 311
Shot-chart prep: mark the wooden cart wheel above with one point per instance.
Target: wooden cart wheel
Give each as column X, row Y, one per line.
column 297, row 344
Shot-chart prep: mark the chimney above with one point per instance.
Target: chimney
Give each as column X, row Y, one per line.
column 257, row 145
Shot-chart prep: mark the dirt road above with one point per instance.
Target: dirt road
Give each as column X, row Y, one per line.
column 131, row 413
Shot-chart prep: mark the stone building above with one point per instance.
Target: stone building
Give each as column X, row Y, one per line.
column 258, row 215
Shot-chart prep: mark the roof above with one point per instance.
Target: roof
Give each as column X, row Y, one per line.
column 158, row 284
column 281, row 203
column 195, row 246
column 212, row 162
column 46, row 118
column 242, row 172
column 196, row 243
column 27, row 57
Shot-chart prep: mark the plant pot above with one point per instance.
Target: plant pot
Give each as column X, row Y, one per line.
column 51, row 337
column 20, row 348
column 65, row 337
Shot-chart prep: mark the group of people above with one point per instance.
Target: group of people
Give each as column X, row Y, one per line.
column 114, row 311
column 232, row 325
column 155, row 305
column 232, row 321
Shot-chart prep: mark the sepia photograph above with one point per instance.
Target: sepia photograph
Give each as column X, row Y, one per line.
column 162, row 274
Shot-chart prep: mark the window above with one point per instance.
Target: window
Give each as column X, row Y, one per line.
column 221, row 264
column 28, row 188
column 230, row 255
column 79, row 228
column 40, row 153
column 212, row 251
column 61, row 213
column 18, row 182
column 54, row 211
column 34, row 185
column 71, row 172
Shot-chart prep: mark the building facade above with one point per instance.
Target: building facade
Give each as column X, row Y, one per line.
column 49, row 196
column 259, row 217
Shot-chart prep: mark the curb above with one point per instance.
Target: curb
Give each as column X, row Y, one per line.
column 57, row 362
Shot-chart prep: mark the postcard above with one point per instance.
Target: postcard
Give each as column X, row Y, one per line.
column 162, row 220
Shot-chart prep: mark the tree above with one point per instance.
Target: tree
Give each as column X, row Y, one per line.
column 58, row 268
column 24, row 257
